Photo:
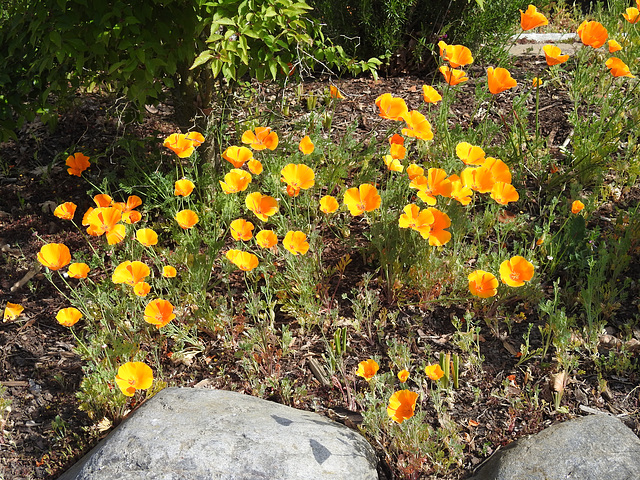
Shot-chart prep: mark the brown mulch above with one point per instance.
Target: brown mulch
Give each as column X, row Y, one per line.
column 43, row 432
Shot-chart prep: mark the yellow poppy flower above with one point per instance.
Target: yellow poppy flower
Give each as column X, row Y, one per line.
column 402, row 405
column 134, row 376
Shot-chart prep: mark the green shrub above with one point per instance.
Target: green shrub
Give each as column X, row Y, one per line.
column 143, row 49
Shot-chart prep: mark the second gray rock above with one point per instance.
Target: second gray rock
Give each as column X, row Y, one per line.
column 596, row 447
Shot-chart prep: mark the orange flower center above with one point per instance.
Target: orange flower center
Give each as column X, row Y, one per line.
column 515, row 276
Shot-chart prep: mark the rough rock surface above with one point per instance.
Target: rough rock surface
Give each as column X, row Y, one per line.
column 595, row 447
column 184, row 433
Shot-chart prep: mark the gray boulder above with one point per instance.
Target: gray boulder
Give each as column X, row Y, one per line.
column 595, row 447
column 202, row 434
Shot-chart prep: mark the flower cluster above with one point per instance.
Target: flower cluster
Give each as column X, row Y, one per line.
column 104, row 219
column 513, row 272
column 402, row 403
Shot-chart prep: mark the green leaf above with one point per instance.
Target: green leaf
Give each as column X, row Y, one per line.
column 115, row 66
column 249, row 33
column 204, row 57
column 273, row 68
column 216, row 66
column 55, row 38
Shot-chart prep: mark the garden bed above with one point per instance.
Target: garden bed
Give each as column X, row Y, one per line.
column 500, row 397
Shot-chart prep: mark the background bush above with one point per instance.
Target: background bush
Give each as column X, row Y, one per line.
column 407, row 31
column 143, row 49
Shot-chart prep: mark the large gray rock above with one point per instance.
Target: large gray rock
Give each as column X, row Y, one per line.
column 190, row 434
column 595, row 447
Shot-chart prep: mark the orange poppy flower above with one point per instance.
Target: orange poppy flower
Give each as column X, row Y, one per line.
column 417, row 125
column 328, row 204
column 262, row 206
column 403, row 376
column 459, row 191
column 434, row 372
column 367, row 369
column 391, row 107
column 243, row 260
column 102, row 220
column 130, row 272
column 536, row 82
column 553, row 55
column 457, row 55
column 504, row 193
column 235, row 181
column 430, row 94
column 296, row 242
column 67, row 317
column 159, row 312
column 103, row 200
column 129, row 215
column 54, row 256
column 632, row 15
column 393, row 164
column 499, row 170
column 614, row 46
column 335, row 93
column 499, row 80
column 618, row 68
column 592, row 33
column 12, row 311
column 306, row 145
column 241, row 229
column 141, row 289
column 262, row 138
column 453, row 76
column 169, row 272
column 183, row 145
column 78, row 270
column 86, row 216
column 416, row 219
column 116, row 234
column 266, row 239
column 255, row 166
column 479, row 179
column 183, row 187
column 297, row 177
column 77, row 163
column 402, row 405
column 398, row 151
column 396, row 140
column 438, row 235
column 65, row 211
column 577, row 206
column 532, row 19
column 442, row 45
column 434, row 183
column 483, row 284
column 147, row 237
column 237, row 156
column 134, row 376
column 362, row 199
column 414, row 171
column 186, row 218
column 516, row 271
column 470, row 154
